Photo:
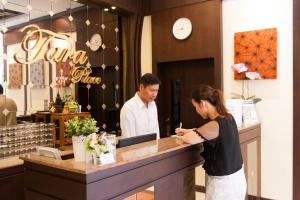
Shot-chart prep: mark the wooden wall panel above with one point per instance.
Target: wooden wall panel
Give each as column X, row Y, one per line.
column 204, row 42
column 126, row 7
column 193, row 61
column 296, row 99
column 158, row 5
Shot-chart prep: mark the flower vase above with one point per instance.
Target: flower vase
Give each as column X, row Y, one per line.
column 79, row 148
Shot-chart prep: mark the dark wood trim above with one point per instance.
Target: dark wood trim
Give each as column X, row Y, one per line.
column 159, row 5
column 12, row 183
column 296, row 98
column 250, row 197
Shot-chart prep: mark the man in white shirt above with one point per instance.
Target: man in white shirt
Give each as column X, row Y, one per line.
column 139, row 114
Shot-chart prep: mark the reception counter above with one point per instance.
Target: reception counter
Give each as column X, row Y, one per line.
column 156, row 155
column 162, row 164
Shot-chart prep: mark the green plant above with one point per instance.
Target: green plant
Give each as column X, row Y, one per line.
column 67, row 98
column 80, row 126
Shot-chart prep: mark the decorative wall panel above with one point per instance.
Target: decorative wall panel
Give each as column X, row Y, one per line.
column 258, row 51
column 15, row 76
column 37, row 76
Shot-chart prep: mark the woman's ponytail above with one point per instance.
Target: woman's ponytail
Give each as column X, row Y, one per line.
column 213, row 96
column 219, row 103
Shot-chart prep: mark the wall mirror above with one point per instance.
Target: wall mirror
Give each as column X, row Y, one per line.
column 32, row 86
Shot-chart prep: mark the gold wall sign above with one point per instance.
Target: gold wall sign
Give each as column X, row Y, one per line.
column 38, row 50
column 83, row 74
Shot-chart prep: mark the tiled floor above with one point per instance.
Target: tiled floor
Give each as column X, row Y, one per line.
column 141, row 196
column 149, row 196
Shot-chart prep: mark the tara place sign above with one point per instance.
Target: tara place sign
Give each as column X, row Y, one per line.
column 81, row 69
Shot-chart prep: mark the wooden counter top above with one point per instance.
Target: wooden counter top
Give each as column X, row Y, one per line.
column 124, row 156
column 16, row 161
column 10, row 162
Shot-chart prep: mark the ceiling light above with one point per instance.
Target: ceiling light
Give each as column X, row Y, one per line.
column 113, row 7
column 51, row 13
column 29, row 7
column 106, row 9
column 75, row 0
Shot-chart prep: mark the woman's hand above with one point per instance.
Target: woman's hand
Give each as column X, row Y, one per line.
column 181, row 131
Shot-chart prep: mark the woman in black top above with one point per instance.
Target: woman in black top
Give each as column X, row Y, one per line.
column 222, row 153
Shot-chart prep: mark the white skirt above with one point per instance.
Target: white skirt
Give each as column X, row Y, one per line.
column 230, row 187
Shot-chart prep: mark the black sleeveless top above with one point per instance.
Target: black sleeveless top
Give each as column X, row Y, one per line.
column 223, row 154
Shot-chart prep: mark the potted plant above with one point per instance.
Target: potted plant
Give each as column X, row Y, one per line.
column 79, row 129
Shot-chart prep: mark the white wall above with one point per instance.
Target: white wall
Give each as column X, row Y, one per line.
column 1, row 59
column 276, row 108
column 16, row 94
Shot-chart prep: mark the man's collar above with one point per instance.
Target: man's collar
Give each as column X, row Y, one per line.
column 140, row 101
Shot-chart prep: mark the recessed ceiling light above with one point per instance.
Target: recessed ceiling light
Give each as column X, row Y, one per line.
column 106, row 9
column 113, row 7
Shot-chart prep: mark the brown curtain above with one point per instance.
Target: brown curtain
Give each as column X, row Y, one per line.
column 131, row 42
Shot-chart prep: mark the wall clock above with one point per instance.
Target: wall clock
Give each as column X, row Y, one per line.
column 95, row 42
column 182, row 28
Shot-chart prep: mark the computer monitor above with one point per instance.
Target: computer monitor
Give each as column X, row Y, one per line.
column 136, row 139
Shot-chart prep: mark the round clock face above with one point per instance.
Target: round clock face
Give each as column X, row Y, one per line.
column 95, row 42
column 182, row 28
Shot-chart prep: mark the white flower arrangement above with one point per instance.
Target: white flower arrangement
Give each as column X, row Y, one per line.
column 250, row 75
column 241, row 67
column 97, row 144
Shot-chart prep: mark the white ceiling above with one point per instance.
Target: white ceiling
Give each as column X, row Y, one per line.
column 40, row 8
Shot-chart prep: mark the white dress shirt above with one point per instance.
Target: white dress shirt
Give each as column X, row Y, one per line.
column 136, row 119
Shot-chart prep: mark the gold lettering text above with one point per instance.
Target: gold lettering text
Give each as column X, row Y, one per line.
column 82, row 74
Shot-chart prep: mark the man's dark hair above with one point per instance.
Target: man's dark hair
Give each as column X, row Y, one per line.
column 149, row 79
column 1, row 89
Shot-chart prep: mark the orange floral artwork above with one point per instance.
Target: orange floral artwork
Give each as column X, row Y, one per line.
column 258, row 51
